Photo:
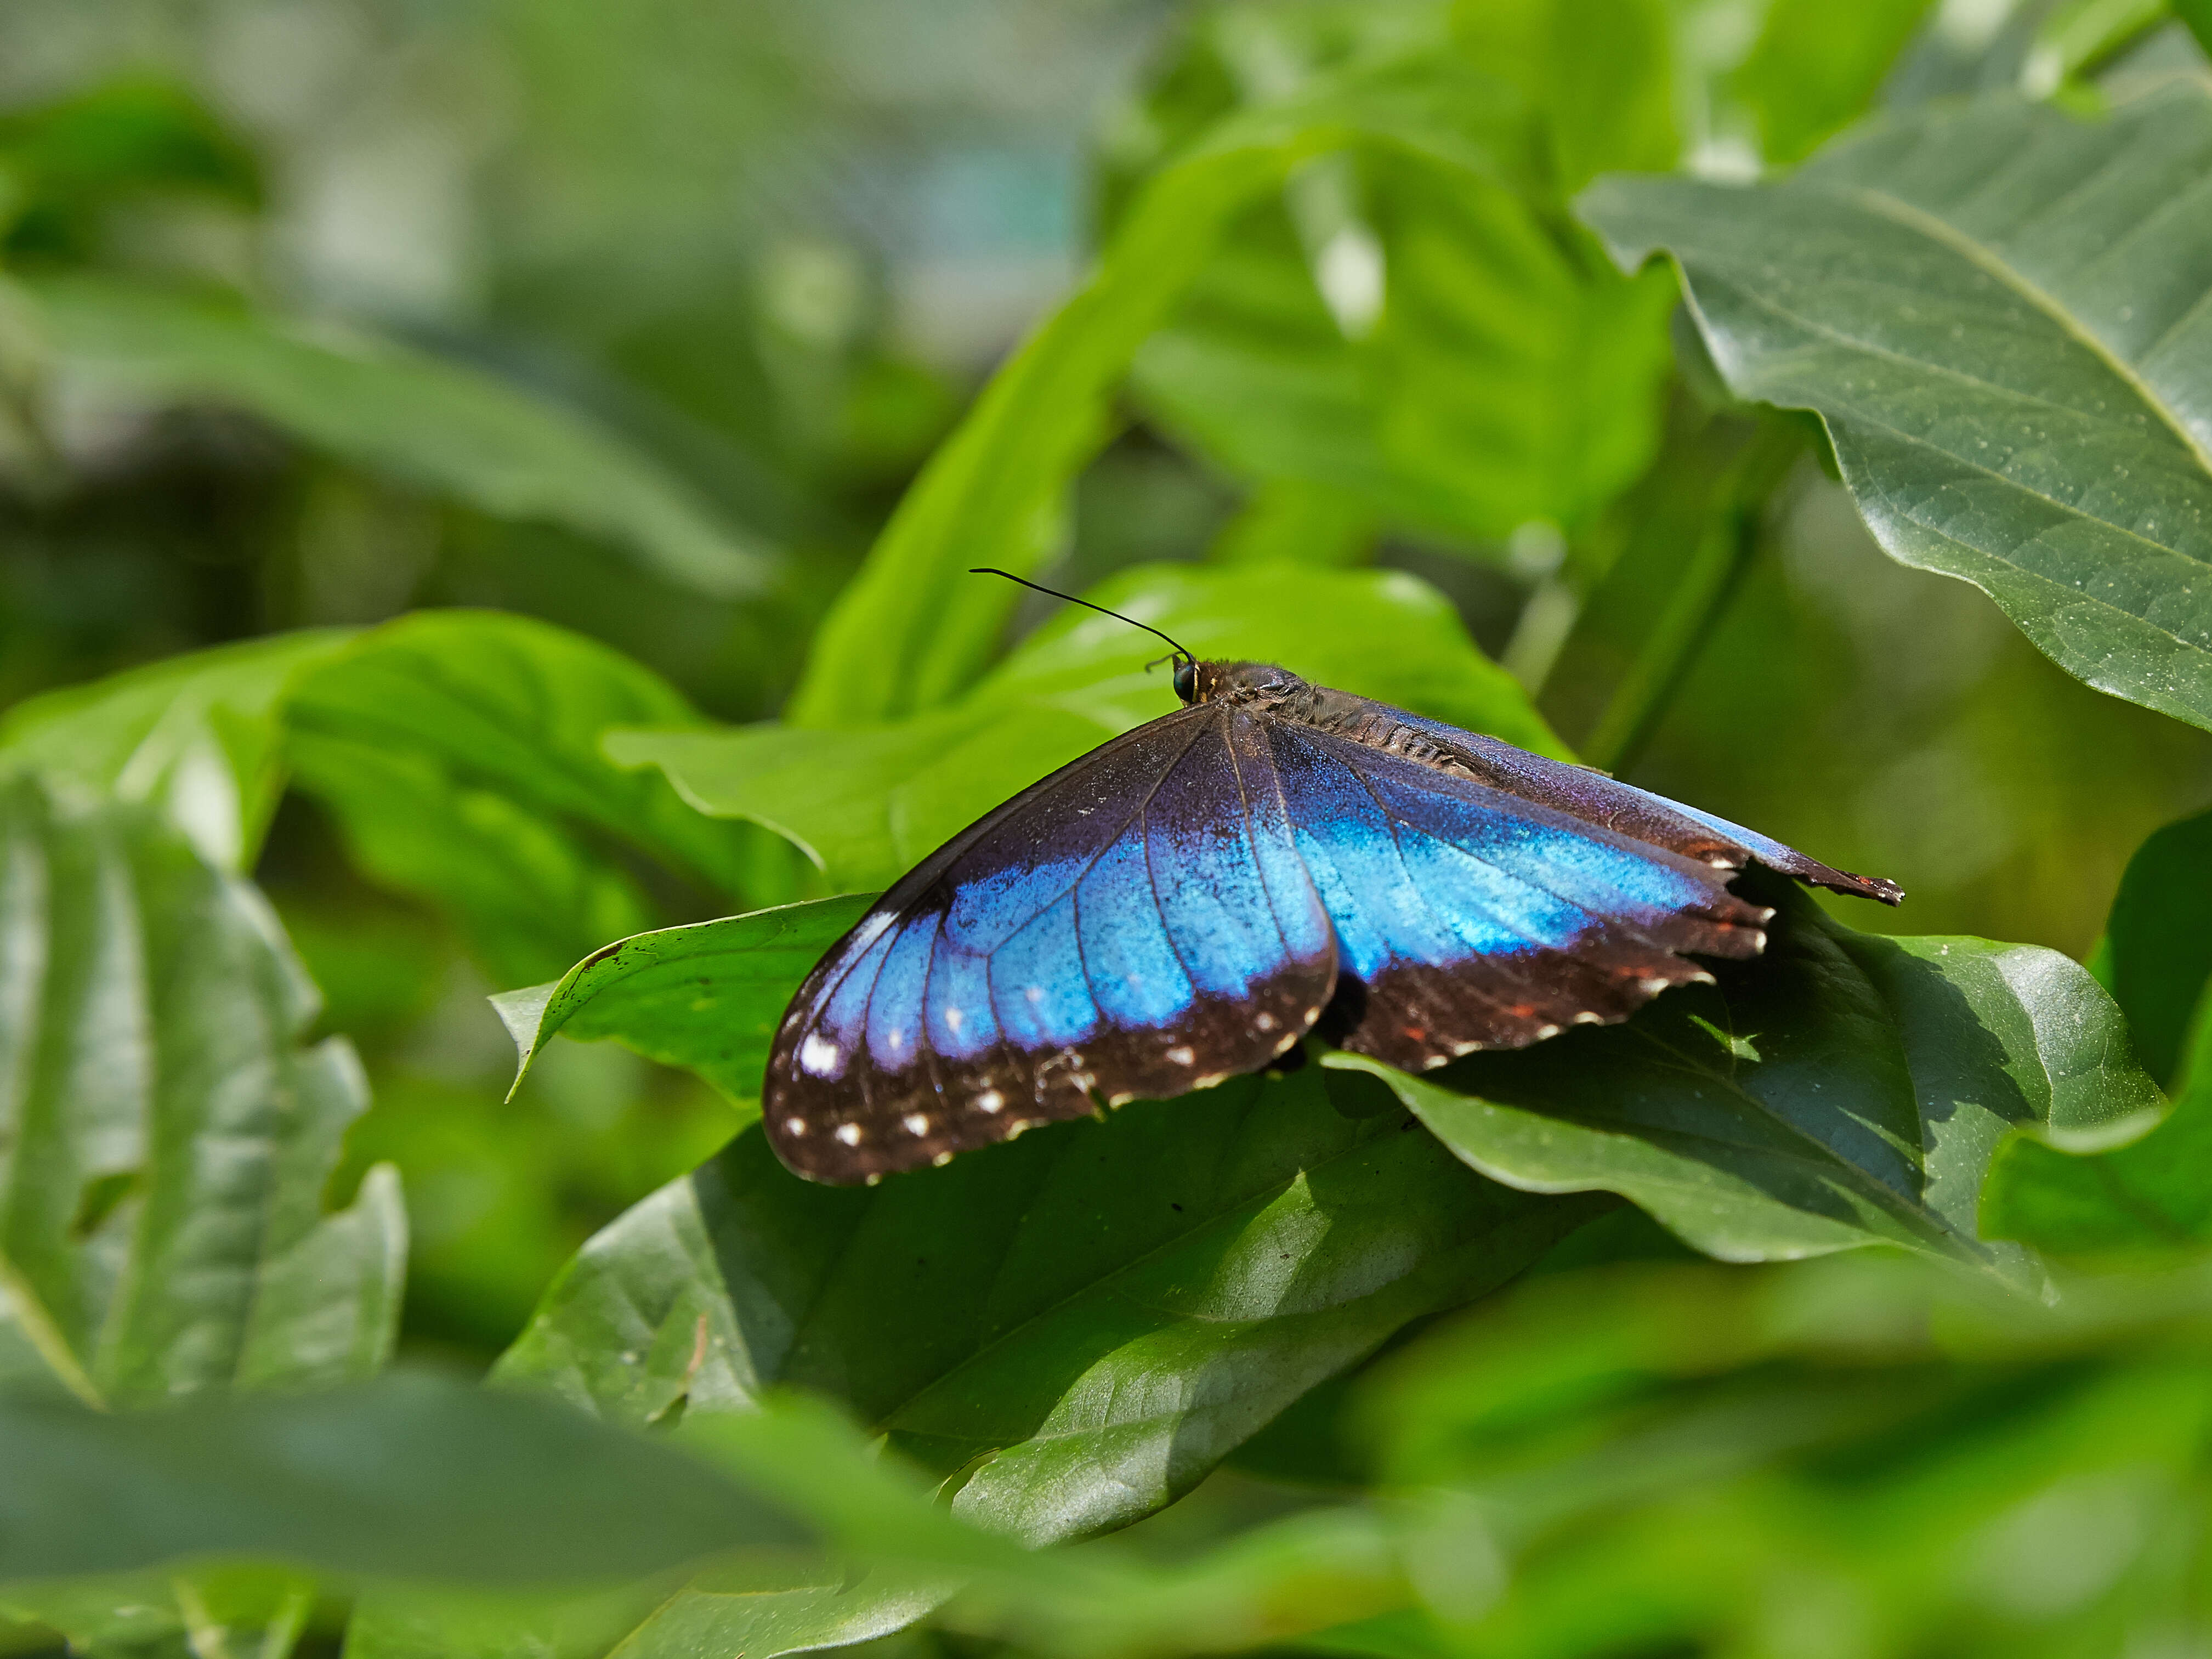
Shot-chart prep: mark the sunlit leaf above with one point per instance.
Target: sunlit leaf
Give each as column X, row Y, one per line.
column 708, row 996
column 459, row 752
column 868, row 802
column 1080, row 1323
column 455, row 430
column 1816, row 68
column 911, row 633
column 197, row 734
column 1842, row 1090
column 1999, row 311
column 161, row 1220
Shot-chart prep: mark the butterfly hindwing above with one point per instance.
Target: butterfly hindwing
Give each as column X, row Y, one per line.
column 1470, row 917
column 1138, row 924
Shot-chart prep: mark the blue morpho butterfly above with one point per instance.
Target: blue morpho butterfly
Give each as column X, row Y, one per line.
column 1188, row 901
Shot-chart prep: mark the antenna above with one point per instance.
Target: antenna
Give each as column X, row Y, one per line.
column 1180, row 655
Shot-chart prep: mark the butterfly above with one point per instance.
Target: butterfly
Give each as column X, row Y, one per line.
column 1188, row 900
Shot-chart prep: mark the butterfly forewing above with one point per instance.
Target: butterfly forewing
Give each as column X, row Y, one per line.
column 1466, row 917
column 1139, row 924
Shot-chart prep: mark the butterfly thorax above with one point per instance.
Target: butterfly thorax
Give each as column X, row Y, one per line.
column 1261, row 687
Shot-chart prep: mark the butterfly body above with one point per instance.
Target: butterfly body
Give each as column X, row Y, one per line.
column 1188, row 901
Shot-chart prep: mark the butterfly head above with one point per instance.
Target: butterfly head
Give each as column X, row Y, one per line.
column 1248, row 683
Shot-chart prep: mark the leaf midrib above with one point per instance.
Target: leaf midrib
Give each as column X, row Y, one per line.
column 1986, row 258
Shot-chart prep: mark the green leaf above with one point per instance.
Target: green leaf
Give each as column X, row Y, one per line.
column 2001, row 314
column 1816, row 68
column 1887, row 1072
column 2197, row 15
column 2146, row 1200
column 162, row 1226
column 1505, row 378
column 1079, row 1325
column 197, row 734
column 409, row 1477
column 867, row 803
column 1655, row 1460
column 2159, row 940
column 459, row 752
column 912, row 632
column 2143, row 1202
column 258, row 1610
column 1597, row 73
column 708, row 996
column 454, row 430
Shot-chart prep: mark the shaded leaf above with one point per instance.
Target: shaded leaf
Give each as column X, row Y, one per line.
column 868, row 803
column 457, row 431
column 2159, row 940
column 2144, row 1200
column 708, row 996
column 1080, row 1324
column 411, row 1476
column 162, row 1223
column 1999, row 312
column 1886, row 1073
column 459, row 752
column 197, row 734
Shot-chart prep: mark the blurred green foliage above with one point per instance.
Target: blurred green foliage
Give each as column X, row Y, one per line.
column 482, row 483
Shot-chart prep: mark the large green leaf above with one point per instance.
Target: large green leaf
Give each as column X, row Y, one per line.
column 911, row 633
column 2000, row 313
column 1845, row 1088
column 197, row 735
column 1077, row 1325
column 708, row 996
column 166, row 1139
column 867, row 802
column 460, row 753
column 411, row 1476
column 899, row 1557
column 455, row 430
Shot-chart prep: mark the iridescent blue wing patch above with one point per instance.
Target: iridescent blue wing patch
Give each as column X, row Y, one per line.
column 1468, row 917
column 1139, row 923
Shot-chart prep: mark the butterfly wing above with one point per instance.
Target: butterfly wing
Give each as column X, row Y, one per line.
column 1595, row 798
column 1138, row 924
column 1469, row 916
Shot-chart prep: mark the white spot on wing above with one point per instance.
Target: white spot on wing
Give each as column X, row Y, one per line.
column 794, row 1127
column 817, row 1057
column 917, row 1124
column 850, row 1133
column 989, row 1101
column 954, row 1019
column 1183, row 1055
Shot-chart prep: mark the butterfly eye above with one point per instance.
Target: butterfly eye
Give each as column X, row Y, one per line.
column 1186, row 681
